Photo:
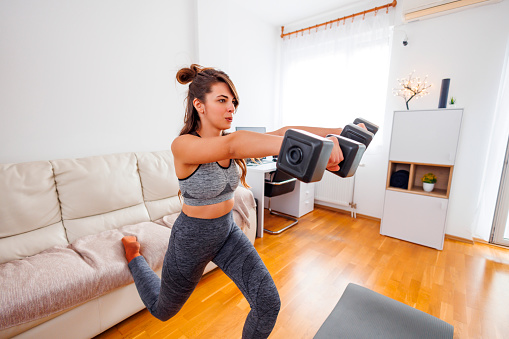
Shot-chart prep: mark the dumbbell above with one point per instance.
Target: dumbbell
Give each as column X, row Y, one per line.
column 353, row 142
column 352, row 153
column 304, row 155
column 369, row 125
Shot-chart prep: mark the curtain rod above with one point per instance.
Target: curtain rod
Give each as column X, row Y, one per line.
column 375, row 9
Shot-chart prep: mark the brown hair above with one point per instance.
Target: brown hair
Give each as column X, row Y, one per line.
column 201, row 80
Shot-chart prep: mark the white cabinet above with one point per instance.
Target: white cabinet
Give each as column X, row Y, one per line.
column 297, row 203
column 415, row 218
column 431, row 140
column 419, row 147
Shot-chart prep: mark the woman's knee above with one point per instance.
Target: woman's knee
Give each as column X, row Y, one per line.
column 274, row 304
column 268, row 297
column 266, row 315
column 164, row 314
column 162, row 317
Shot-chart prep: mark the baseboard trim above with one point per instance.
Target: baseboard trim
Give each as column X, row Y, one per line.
column 336, row 209
column 484, row 242
column 465, row 240
column 447, row 236
column 472, row 241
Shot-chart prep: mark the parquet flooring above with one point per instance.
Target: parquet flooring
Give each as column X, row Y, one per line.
column 313, row 262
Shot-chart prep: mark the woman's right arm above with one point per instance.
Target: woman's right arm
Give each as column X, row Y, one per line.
column 192, row 150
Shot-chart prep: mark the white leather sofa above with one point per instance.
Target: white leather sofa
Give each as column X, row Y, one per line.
column 63, row 272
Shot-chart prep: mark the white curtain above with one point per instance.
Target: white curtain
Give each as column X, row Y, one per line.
column 330, row 77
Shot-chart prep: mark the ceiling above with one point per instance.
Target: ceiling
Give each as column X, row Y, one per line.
column 282, row 12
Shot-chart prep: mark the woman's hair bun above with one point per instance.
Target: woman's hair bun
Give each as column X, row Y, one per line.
column 187, row 74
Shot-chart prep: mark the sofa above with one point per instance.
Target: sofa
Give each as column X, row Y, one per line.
column 63, row 273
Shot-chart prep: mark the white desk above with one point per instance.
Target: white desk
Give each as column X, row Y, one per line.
column 296, row 203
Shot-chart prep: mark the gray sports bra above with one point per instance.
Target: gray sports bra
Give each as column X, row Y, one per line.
column 210, row 184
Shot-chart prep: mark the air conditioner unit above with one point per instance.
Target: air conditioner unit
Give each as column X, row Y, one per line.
column 436, row 8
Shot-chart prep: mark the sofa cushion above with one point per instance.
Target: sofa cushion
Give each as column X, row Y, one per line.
column 98, row 185
column 159, row 183
column 159, row 208
column 157, row 173
column 26, row 244
column 29, row 198
column 28, row 203
column 94, row 224
column 63, row 277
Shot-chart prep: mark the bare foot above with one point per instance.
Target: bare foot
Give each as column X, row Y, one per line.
column 131, row 247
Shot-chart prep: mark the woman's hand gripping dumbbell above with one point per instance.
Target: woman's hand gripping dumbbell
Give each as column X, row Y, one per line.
column 306, row 156
column 353, row 141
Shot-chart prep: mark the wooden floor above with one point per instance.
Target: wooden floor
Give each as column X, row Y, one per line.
column 313, row 262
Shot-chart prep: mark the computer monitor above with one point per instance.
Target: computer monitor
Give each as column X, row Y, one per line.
column 253, row 129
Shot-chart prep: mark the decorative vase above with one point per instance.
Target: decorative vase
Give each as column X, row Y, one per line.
column 452, row 106
column 428, row 187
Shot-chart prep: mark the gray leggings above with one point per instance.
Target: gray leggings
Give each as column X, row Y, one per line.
column 193, row 244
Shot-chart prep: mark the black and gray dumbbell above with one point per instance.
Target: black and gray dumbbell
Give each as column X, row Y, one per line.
column 354, row 141
column 369, row 125
column 304, row 155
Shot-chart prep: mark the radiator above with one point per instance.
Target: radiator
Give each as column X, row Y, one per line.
column 334, row 191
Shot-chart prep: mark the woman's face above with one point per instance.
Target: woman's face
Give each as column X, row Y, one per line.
column 218, row 108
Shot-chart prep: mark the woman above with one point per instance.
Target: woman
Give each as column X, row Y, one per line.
column 206, row 160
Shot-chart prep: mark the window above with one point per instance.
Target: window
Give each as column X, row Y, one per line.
column 331, row 77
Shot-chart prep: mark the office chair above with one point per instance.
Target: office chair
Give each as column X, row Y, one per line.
column 279, row 183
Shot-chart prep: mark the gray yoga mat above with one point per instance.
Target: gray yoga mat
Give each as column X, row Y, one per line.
column 363, row 313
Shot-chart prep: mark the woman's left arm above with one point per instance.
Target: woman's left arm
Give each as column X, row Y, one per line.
column 320, row 131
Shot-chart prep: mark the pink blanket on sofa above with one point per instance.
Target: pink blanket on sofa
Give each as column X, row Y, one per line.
column 64, row 277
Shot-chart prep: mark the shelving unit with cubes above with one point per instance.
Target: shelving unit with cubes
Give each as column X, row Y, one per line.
column 411, row 213
column 416, row 172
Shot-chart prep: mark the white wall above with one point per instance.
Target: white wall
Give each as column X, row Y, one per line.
column 469, row 48
column 82, row 78
column 245, row 47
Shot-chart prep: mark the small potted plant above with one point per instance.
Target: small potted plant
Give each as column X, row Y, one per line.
column 428, row 182
column 452, row 102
